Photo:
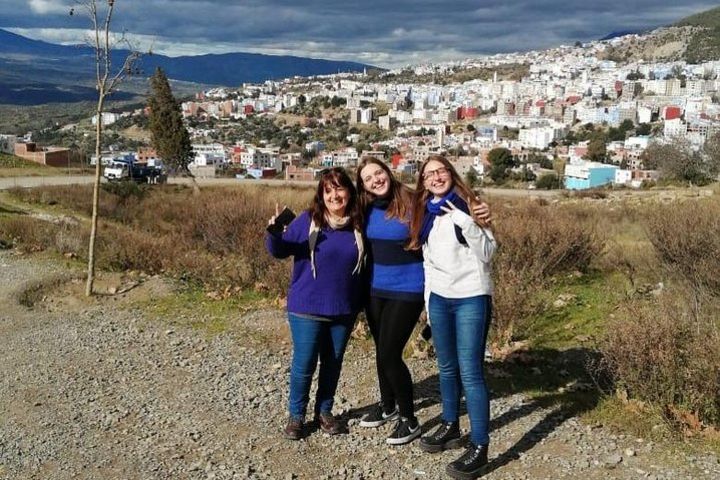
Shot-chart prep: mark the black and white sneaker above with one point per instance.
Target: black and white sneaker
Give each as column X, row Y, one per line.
column 406, row 430
column 378, row 417
column 445, row 437
column 470, row 465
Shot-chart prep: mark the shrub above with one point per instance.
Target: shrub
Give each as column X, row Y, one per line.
column 686, row 238
column 659, row 352
column 536, row 243
column 27, row 233
column 548, row 181
column 215, row 239
column 665, row 350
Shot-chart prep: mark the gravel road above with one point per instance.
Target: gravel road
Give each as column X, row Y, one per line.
column 107, row 391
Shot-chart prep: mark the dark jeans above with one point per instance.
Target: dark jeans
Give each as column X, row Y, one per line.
column 391, row 324
column 460, row 328
column 313, row 340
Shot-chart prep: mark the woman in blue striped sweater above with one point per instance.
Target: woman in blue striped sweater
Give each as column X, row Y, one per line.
column 396, row 293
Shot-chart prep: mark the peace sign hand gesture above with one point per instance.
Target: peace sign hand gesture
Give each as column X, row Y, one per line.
column 277, row 212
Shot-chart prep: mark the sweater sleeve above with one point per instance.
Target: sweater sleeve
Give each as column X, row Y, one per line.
column 292, row 242
column 480, row 240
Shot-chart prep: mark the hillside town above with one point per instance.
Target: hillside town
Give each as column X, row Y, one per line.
column 549, row 116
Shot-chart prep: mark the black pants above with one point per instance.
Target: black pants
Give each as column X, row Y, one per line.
column 391, row 324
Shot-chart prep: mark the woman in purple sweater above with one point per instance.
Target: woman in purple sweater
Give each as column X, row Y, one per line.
column 325, row 294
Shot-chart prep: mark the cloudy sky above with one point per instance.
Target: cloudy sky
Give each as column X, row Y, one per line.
column 387, row 33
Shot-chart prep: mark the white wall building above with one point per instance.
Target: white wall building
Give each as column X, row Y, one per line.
column 108, row 118
column 539, row 138
column 208, row 154
column 7, row 143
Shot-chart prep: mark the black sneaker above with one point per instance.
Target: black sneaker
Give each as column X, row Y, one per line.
column 378, row 417
column 445, row 437
column 470, row 464
column 406, row 430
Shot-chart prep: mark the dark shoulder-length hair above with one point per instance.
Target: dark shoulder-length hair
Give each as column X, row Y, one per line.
column 336, row 177
column 400, row 195
column 422, row 195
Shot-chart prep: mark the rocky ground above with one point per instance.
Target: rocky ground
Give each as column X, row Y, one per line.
column 106, row 390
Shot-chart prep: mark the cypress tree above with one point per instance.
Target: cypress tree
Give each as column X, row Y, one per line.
column 169, row 136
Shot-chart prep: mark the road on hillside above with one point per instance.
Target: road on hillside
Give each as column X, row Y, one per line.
column 30, row 182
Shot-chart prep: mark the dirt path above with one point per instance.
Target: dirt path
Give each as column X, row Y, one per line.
column 105, row 390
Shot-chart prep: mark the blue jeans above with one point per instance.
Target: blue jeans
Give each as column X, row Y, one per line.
column 313, row 340
column 459, row 332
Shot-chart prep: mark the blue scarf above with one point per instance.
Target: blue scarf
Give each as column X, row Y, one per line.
column 432, row 210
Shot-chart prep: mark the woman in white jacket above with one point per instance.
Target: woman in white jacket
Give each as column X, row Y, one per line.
column 458, row 289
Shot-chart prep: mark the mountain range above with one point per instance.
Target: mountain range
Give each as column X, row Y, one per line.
column 35, row 72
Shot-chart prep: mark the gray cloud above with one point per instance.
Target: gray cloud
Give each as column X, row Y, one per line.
column 387, row 33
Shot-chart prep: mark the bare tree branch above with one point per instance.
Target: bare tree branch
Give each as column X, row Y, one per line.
column 105, row 82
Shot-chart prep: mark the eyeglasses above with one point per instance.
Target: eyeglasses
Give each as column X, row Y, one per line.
column 438, row 172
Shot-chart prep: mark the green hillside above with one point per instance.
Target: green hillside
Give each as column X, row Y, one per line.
column 709, row 18
column 704, row 44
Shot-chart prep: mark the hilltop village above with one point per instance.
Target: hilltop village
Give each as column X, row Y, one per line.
column 574, row 114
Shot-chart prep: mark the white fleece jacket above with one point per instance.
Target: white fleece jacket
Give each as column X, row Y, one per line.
column 454, row 270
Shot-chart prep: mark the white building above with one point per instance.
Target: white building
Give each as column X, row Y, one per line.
column 208, row 154
column 346, row 157
column 674, row 128
column 7, row 143
column 622, row 177
column 260, row 158
column 539, row 137
column 107, row 118
column 638, row 142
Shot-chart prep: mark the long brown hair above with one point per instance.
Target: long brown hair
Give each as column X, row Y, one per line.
column 336, row 177
column 422, row 194
column 400, row 195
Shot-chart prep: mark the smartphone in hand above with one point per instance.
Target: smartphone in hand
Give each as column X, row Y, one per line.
column 281, row 221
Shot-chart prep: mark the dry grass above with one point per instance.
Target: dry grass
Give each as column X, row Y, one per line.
column 664, row 349
column 537, row 243
column 661, row 353
column 215, row 239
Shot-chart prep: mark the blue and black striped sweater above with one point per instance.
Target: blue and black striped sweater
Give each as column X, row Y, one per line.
column 395, row 272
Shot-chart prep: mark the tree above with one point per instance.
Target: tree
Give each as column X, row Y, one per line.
column 643, row 129
column 626, row 125
column 712, row 155
column 169, row 136
column 678, row 161
column 548, row 181
column 106, row 80
column 597, row 149
column 471, row 178
column 501, row 160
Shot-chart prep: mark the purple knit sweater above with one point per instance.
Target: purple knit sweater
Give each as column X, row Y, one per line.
column 336, row 290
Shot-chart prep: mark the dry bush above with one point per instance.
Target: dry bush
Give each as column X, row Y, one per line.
column 69, row 240
column 665, row 350
column 536, row 243
column 215, row 239
column 27, row 233
column 660, row 353
column 686, row 237
column 121, row 248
